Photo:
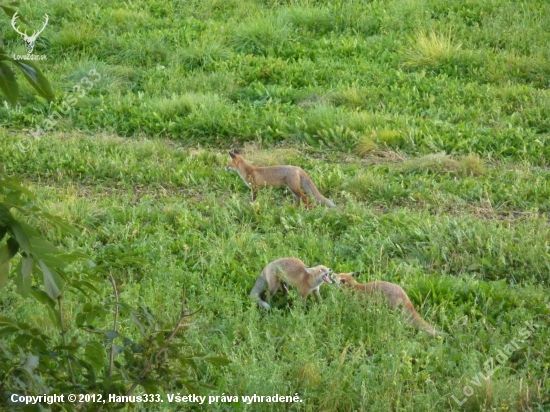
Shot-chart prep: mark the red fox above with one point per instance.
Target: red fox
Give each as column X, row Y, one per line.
column 292, row 176
column 395, row 297
column 293, row 271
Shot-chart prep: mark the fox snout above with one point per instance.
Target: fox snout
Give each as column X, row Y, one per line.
column 335, row 280
column 343, row 278
column 327, row 275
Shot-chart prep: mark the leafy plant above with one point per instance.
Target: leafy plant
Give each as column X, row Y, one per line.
column 8, row 80
column 88, row 355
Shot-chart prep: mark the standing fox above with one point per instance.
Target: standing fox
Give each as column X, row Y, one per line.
column 293, row 271
column 395, row 297
column 292, row 176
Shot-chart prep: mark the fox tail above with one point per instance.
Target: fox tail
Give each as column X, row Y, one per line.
column 259, row 290
column 416, row 320
column 312, row 190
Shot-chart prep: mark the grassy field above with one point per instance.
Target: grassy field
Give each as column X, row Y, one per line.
column 426, row 122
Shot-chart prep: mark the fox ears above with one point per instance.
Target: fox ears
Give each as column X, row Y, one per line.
column 312, row 271
column 355, row 274
column 234, row 152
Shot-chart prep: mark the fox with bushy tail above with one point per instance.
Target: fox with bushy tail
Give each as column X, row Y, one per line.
column 289, row 270
column 394, row 295
column 292, row 176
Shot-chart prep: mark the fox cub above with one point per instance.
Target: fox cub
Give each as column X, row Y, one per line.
column 395, row 297
column 292, row 176
column 293, row 271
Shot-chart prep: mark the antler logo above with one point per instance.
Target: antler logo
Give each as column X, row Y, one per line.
column 29, row 40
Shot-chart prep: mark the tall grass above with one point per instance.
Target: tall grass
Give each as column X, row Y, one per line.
column 436, row 70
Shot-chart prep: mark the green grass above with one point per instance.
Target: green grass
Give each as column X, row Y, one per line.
column 472, row 262
column 271, row 72
column 435, row 154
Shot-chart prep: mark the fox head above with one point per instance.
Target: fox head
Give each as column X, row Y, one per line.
column 236, row 158
column 345, row 278
column 320, row 272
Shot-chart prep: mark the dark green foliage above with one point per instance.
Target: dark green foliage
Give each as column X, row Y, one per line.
column 99, row 358
column 8, row 81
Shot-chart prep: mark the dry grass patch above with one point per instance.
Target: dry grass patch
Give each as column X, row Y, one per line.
column 379, row 138
column 430, row 50
column 470, row 165
column 256, row 156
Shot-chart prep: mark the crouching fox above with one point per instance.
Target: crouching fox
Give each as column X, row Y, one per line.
column 289, row 270
column 394, row 296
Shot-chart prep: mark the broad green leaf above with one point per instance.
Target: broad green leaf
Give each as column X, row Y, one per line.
column 13, row 199
column 95, row 354
column 47, row 252
column 137, row 321
column 23, row 279
column 4, row 265
column 13, row 247
column 92, row 374
column 80, row 319
column 161, row 337
column 36, row 79
column 22, row 339
column 10, row 11
column 4, row 56
column 5, row 215
column 8, row 331
column 84, row 286
column 111, row 334
column 90, row 317
column 8, row 83
column 41, row 246
column 20, row 236
column 118, row 349
column 78, row 286
column 27, row 265
column 28, row 229
column 52, row 281
column 12, row 182
column 43, row 298
column 39, row 344
column 53, row 261
column 3, row 231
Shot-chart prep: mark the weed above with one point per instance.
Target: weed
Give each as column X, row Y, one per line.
column 430, row 50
